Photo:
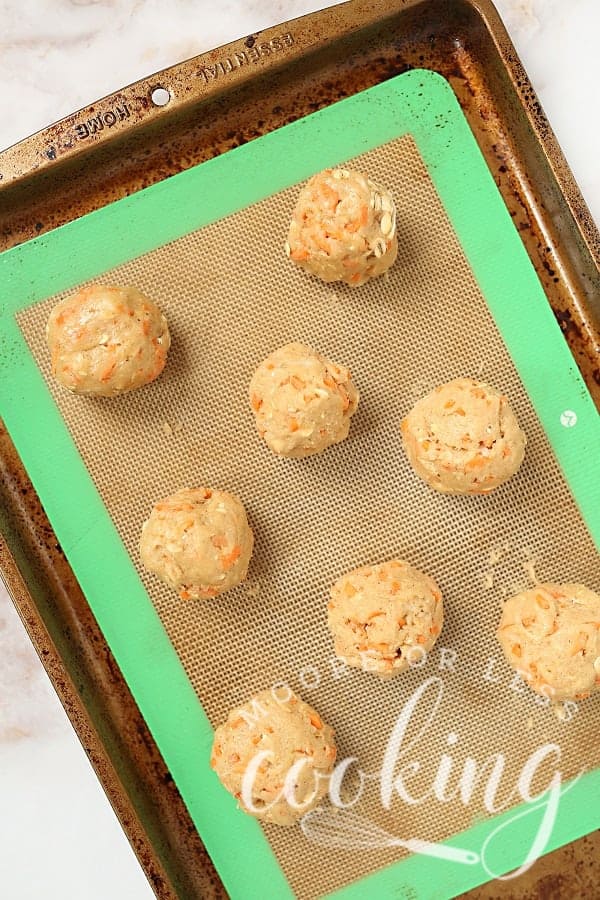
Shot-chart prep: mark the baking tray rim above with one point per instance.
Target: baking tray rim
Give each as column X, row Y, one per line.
column 565, row 181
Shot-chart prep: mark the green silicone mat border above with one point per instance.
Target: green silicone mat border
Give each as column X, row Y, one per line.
column 420, row 103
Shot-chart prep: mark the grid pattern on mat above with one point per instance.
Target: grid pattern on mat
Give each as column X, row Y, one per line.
column 231, row 297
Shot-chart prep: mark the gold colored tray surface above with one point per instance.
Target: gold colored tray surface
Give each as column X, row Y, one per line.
column 220, row 100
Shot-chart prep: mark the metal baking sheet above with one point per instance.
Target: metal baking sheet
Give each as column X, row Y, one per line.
column 468, row 46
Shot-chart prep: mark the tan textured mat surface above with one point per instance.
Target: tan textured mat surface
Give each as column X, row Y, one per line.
column 231, row 297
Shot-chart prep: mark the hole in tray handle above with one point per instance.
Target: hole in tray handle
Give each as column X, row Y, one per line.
column 160, row 96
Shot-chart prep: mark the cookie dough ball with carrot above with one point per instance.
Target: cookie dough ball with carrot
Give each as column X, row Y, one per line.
column 343, row 227
column 291, row 748
column 106, row 340
column 463, row 438
column 302, row 401
column 198, row 541
column 551, row 635
column 383, row 617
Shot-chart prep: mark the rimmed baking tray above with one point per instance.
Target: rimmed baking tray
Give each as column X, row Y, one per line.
column 498, row 120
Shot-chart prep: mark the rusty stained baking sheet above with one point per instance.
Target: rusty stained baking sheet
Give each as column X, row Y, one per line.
column 70, row 169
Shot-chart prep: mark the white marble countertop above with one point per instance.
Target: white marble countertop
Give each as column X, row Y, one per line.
column 56, row 56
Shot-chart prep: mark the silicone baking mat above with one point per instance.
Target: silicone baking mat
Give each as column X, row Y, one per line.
column 462, row 299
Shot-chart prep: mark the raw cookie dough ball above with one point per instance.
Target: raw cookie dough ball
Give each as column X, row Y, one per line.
column 551, row 636
column 302, row 401
column 289, row 731
column 379, row 614
column 463, row 438
column 198, row 541
column 107, row 340
column 343, row 227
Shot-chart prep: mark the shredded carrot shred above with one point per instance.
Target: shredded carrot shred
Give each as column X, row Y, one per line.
column 228, row 559
column 329, row 194
column 344, row 395
column 108, row 372
column 299, row 254
column 476, row 463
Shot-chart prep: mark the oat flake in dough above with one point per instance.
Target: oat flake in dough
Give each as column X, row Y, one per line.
column 198, row 541
column 343, row 227
column 551, row 635
column 463, row 438
column 289, row 730
column 302, row 401
column 383, row 617
column 107, row 340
